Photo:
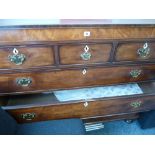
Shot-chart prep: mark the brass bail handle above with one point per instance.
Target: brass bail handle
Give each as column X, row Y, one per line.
column 28, row 116
column 136, row 104
column 24, row 82
column 135, row 73
column 144, row 52
column 16, row 57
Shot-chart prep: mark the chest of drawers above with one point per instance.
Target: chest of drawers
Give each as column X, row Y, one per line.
column 39, row 59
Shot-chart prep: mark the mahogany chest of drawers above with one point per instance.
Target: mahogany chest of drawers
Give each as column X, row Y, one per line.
column 37, row 59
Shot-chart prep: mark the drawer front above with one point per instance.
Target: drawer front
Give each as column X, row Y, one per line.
column 84, row 109
column 85, row 54
column 27, row 82
column 135, row 52
column 25, row 57
column 98, row 119
column 74, row 33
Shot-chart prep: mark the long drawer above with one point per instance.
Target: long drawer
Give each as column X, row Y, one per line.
column 46, row 106
column 80, row 109
column 63, row 79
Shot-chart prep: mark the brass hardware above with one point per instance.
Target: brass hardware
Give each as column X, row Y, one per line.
column 28, row 116
column 24, row 81
column 17, row 58
column 84, row 71
column 136, row 104
column 86, row 55
column 135, row 73
column 144, row 51
column 85, row 104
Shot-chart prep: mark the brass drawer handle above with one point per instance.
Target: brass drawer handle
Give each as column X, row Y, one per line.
column 24, row 81
column 17, row 58
column 28, row 116
column 135, row 73
column 86, row 55
column 144, row 51
column 136, row 104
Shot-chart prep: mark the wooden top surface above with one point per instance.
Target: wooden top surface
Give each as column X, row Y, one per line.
column 73, row 22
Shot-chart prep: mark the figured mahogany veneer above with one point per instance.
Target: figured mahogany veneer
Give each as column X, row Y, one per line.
column 31, row 34
column 71, row 54
column 35, row 56
column 46, row 106
column 53, row 61
column 100, row 107
column 129, row 52
column 64, row 79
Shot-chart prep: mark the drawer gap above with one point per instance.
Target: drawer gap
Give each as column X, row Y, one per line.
column 48, row 98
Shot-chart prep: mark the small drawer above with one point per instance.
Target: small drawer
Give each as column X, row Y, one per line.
column 67, row 79
column 85, row 54
column 135, row 52
column 25, row 57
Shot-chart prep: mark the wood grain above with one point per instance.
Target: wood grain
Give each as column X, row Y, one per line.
column 67, row 79
column 70, row 54
column 128, row 52
column 54, row 63
column 35, row 57
column 75, row 33
column 78, row 110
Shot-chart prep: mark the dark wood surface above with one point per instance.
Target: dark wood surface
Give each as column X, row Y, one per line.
column 129, row 52
column 67, row 79
column 78, row 110
column 17, row 35
column 53, row 62
column 100, row 53
column 98, row 119
column 35, row 57
column 46, row 106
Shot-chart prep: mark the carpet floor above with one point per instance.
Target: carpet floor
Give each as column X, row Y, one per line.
column 122, row 128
